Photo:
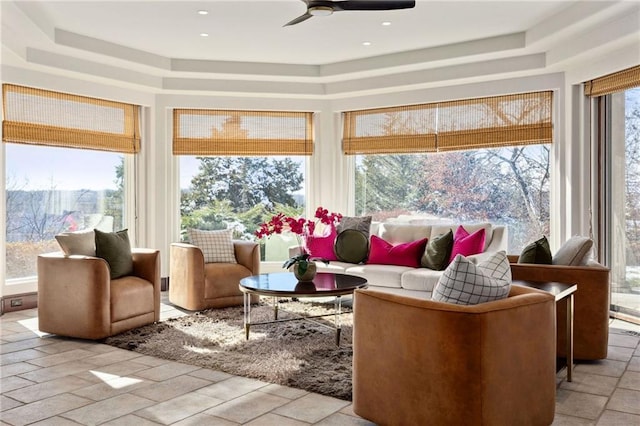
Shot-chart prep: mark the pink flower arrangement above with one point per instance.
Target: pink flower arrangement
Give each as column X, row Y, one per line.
column 300, row 226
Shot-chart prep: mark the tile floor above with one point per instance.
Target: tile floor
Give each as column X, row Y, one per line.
column 46, row 380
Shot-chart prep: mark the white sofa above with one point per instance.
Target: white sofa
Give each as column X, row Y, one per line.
column 416, row 282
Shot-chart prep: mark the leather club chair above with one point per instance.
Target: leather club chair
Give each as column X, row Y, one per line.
column 195, row 285
column 421, row 362
column 77, row 297
column 591, row 304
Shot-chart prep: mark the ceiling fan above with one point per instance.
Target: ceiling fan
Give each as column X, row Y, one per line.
column 327, row 7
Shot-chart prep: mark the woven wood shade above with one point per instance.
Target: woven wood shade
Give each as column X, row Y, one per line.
column 492, row 122
column 42, row 117
column 616, row 82
column 242, row 133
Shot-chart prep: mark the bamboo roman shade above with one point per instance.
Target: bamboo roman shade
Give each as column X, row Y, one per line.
column 42, row 117
column 616, row 82
column 242, row 133
column 497, row 121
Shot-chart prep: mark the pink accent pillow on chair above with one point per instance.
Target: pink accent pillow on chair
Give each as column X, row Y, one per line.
column 467, row 244
column 322, row 245
column 405, row 254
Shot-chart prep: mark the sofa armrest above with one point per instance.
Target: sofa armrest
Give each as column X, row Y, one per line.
column 74, row 294
column 248, row 255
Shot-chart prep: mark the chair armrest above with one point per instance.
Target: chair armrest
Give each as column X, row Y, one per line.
column 146, row 265
column 74, row 295
column 248, row 255
column 186, row 275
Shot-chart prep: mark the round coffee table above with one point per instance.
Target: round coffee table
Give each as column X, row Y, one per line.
column 285, row 284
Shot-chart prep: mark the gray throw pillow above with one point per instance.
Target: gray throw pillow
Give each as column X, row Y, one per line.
column 114, row 247
column 436, row 254
column 351, row 246
column 573, row 252
column 536, row 252
column 359, row 223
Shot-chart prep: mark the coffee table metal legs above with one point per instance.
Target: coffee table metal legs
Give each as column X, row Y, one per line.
column 337, row 305
column 247, row 313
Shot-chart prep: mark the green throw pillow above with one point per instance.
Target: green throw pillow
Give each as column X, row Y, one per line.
column 351, row 246
column 436, row 254
column 114, row 247
column 536, row 252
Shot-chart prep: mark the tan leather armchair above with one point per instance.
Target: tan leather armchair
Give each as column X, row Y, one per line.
column 77, row 298
column 591, row 304
column 195, row 285
column 421, row 362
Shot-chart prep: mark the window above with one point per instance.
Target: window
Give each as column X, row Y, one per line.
column 65, row 169
column 463, row 161
column 51, row 190
column 238, row 167
column 618, row 101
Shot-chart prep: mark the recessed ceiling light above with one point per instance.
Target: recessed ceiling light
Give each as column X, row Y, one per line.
column 386, row 23
column 204, row 35
column 203, row 12
column 366, row 43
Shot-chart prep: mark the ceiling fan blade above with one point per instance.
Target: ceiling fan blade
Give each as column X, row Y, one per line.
column 372, row 4
column 299, row 19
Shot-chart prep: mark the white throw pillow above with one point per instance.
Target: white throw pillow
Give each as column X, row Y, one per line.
column 216, row 246
column 465, row 283
column 80, row 242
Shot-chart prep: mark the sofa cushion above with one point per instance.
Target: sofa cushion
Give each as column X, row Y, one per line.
column 467, row 244
column 403, row 232
column 536, row 252
column 360, row 223
column 321, row 246
column 438, row 252
column 465, row 283
column 380, row 275
column 469, row 227
column 422, row 279
column 114, row 247
column 403, row 254
column 216, row 246
column 80, row 242
column 573, row 252
column 351, row 246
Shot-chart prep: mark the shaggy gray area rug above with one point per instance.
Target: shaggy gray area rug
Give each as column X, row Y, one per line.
column 298, row 354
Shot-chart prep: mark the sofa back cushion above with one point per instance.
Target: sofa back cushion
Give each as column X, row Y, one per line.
column 395, row 233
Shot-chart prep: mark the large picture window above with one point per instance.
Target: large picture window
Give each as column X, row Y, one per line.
column 238, row 167
column 473, row 160
column 617, row 101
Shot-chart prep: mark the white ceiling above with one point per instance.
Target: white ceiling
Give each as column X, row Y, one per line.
column 158, row 43
column 252, row 31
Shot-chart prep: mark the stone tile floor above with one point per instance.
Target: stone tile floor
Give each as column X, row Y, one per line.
column 47, row 380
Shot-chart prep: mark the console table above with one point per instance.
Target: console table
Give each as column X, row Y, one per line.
column 561, row 291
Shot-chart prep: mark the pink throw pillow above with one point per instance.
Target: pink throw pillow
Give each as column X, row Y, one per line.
column 467, row 244
column 405, row 254
column 322, row 245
